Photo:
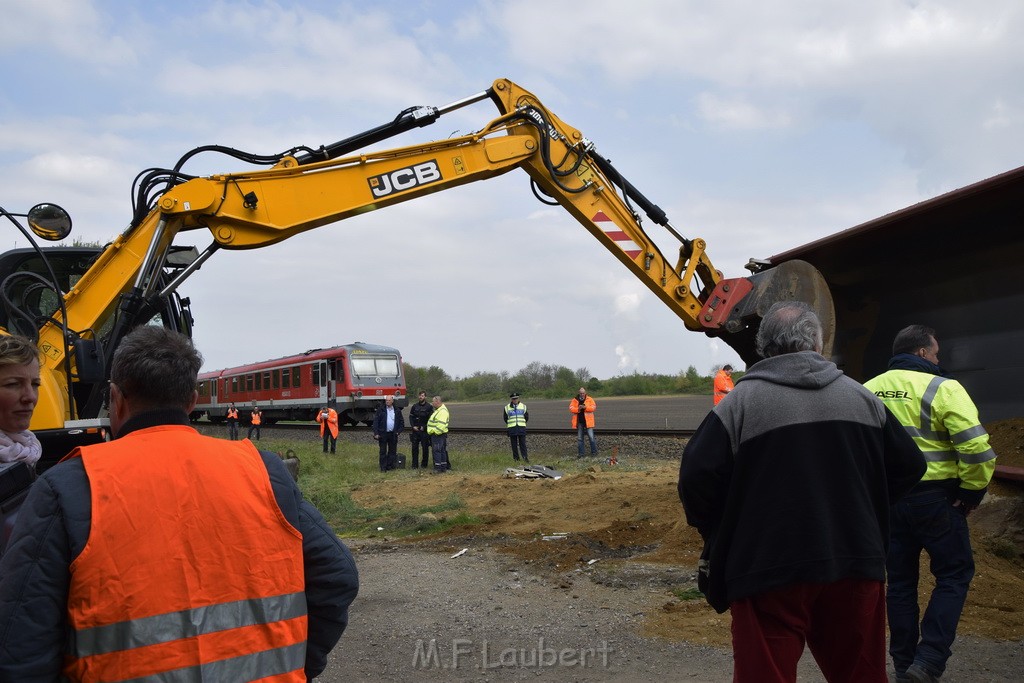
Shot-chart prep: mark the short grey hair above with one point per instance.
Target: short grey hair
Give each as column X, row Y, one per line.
column 156, row 368
column 789, row 327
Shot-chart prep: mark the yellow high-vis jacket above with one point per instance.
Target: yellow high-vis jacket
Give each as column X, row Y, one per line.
column 944, row 422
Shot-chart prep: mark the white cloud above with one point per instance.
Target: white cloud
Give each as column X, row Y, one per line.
column 757, row 127
column 737, row 113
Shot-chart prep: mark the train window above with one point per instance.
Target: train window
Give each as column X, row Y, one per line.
column 388, row 367
column 316, row 375
column 234, row 385
column 266, row 379
column 259, row 385
column 275, row 377
column 296, row 377
column 385, row 366
column 204, row 388
column 248, row 382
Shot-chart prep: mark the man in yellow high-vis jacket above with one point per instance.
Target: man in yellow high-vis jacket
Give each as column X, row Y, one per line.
column 943, row 420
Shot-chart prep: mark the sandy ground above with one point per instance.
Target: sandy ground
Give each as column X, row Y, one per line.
column 594, row 567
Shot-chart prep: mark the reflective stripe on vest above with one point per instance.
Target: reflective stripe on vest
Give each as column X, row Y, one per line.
column 437, row 423
column 515, row 416
column 172, row 587
column 937, row 412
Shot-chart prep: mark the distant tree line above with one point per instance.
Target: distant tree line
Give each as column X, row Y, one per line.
column 539, row 380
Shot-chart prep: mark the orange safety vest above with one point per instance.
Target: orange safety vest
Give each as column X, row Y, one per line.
column 723, row 385
column 232, row 413
column 256, row 417
column 331, row 422
column 589, row 405
column 190, row 568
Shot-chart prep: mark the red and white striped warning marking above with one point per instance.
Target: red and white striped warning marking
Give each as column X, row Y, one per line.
column 609, row 228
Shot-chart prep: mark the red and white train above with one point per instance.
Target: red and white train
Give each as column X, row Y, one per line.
column 353, row 378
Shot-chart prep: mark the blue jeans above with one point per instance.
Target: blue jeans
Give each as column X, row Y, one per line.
column 926, row 520
column 580, row 428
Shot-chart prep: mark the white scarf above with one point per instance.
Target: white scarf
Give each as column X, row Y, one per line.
column 19, row 446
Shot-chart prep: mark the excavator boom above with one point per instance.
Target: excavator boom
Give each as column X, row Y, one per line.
column 307, row 188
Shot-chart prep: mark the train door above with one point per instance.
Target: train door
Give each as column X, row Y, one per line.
column 326, row 373
column 332, row 383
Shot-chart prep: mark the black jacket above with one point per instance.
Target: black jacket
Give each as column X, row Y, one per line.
column 52, row 529
column 419, row 414
column 790, row 478
column 380, row 420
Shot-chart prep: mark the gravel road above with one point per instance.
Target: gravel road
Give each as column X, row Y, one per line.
column 424, row 615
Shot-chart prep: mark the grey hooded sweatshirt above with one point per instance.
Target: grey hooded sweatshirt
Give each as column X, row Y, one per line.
column 790, row 479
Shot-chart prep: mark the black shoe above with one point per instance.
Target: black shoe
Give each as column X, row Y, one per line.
column 918, row 674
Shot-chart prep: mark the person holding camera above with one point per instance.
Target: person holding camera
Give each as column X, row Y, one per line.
column 582, row 408
column 328, row 419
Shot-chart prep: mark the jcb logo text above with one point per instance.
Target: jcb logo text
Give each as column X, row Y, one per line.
column 403, row 179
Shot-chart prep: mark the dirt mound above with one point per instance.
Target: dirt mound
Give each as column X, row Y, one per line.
column 623, row 527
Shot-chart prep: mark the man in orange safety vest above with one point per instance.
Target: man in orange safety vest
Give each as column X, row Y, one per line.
column 328, row 419
column 166, row 554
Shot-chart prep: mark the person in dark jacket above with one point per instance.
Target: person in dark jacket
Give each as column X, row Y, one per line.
column 515, row 416
column 388, row 423
column 789, row 481
column 419, row 413
column 167, row 499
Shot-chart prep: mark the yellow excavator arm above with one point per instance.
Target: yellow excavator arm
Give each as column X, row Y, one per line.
column 309, row 188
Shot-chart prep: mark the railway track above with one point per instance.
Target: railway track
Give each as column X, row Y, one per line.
column 663, row 433
column 1002, row 473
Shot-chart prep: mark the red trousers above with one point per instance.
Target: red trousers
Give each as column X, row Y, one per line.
column 843, row 624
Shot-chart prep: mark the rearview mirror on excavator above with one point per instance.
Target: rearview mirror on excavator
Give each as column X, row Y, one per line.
column 49, row 221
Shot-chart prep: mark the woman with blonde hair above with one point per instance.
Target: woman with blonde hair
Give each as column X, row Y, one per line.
column 19, row 393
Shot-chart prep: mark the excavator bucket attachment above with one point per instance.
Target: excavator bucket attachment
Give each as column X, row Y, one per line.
column 736, row 306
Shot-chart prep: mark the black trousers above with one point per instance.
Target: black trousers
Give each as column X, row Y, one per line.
column 387, row 442
column 417, row 439
column 254, row 428
column 233, row 430
column 518, row 441
column 329, row 440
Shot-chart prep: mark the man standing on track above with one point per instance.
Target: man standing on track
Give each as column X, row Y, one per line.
column 232, row 417
column 723, row 383
column 582, row 408
column 419, row 413
column 256, row 420
column 516, row 417
column 437, row 427
column 388, row 423
column 328, row 419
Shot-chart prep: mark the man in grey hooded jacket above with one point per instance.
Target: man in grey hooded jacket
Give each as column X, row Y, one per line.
column 789, row 482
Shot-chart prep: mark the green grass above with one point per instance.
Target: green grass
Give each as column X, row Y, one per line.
column 687, row 594
column 328, row 481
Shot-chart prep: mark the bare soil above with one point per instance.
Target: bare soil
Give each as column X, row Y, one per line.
column 605, row 555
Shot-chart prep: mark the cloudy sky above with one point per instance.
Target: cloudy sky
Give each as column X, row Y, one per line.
column 759, row 127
